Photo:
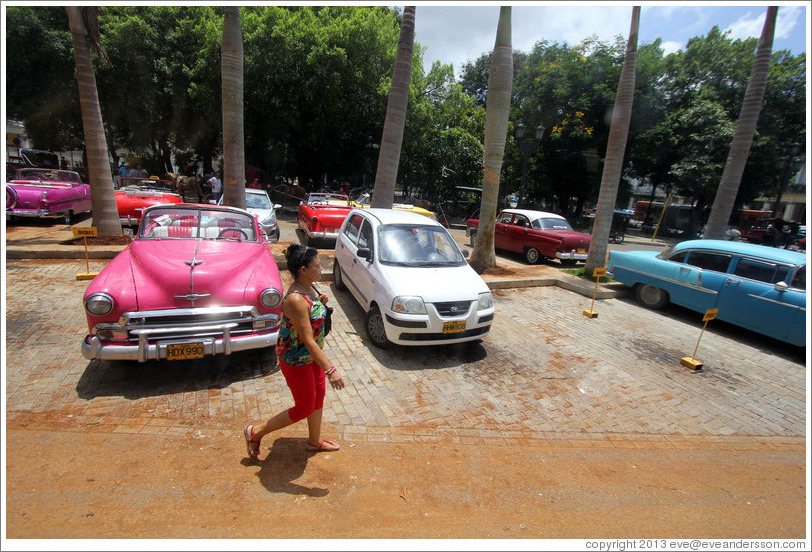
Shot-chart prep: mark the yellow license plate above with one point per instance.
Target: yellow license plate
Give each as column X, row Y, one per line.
column 184, row 351
column 454, row 327
column 582, row 251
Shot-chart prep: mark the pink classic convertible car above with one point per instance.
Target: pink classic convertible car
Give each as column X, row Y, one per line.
column 47, row 193
column 198, row 280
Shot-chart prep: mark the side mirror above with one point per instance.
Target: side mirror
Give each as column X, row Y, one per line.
column 365, row 253
column 465, row 253
column 277, row 206
column 781, row 286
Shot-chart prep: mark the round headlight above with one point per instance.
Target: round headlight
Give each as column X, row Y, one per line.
column 270, row 297
column 99, row 304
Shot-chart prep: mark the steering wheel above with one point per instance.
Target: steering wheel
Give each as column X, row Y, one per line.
column 232, row 229
column 315, row 203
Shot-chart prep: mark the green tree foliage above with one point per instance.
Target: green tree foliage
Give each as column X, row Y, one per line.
column 40, row 77
column 317, row 80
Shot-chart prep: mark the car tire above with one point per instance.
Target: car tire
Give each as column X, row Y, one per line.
column 338, row 278
column 650, row 296
column 373, row 324
column 532, row 255
column 472, row 239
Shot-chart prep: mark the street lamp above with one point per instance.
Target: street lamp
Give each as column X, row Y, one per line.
column 527, row 145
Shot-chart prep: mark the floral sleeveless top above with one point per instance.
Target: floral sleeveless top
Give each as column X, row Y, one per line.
column 288, row 347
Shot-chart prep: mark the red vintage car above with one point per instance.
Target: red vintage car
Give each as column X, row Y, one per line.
column 136, row 194
column 321, row 215
column 536, row 234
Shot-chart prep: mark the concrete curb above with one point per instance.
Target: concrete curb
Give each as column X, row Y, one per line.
column 577, row 285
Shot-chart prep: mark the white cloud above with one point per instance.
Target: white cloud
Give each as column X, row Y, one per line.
column 752, row 23
column 670, row 47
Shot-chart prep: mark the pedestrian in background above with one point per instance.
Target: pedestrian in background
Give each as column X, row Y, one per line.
column 216, row 186
column 301, row 358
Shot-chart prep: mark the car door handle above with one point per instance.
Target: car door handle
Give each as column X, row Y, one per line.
column 732, row 281
column 684, row 269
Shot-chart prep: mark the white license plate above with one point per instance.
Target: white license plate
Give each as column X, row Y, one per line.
column 454, row 327
column 184, row 351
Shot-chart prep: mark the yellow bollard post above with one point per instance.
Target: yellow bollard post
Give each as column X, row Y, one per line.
column 597, row 273
column 710, row 314
column 85, row 232
column 667, row 199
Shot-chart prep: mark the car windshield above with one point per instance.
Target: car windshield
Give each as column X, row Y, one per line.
column 197, row 223
column 363, row 198
column 139, row 184
column 424, row 246
column 327, row 199
column 50, row 175
column 257, row 201
column 551, row 224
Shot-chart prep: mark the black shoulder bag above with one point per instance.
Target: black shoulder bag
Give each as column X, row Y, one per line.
column 328, row 318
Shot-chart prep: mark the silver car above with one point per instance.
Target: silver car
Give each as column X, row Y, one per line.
column 259, row 204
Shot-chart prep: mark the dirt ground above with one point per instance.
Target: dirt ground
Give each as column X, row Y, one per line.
column 76, row 482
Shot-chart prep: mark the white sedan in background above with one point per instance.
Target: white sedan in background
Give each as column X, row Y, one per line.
column 407, row 273
column 258, row 203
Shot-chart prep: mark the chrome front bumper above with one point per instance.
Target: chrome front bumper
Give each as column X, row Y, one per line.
column 94, row 348
column 571, row 255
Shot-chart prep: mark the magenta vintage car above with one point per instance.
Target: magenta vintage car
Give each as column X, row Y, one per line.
column 321, row 215
column 536, row 234
column 198, row 280
column 47, row 193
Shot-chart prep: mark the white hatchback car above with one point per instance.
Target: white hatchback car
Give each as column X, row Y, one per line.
column 412, row 280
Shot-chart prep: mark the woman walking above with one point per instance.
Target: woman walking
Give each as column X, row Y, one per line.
column 301, row 359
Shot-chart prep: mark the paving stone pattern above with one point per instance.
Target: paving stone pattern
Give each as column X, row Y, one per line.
column 545, row 373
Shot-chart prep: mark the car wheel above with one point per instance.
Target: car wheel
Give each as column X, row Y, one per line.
column 472, row 239
column 373, row 323
column 532, row 255
column 650, row 297
column 338, row 278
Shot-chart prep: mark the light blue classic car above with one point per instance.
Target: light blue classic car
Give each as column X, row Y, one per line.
column 756, row 287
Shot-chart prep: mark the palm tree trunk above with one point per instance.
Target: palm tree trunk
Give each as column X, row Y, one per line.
column 615, row 150
column 745, row 129
column 497, row 113
column 100, row 177
column 383, row 194
column 231, row 59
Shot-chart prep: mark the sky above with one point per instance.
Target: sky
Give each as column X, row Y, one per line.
column 456, row 32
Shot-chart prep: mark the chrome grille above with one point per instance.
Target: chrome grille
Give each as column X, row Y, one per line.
column 189, row 323
column 453, row 308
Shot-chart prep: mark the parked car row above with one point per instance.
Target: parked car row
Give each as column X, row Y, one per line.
column 200, row 280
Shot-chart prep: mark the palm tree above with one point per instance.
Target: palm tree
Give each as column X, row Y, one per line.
column 84, row 28
column 383, row 194
column 231, row 60
column 497, row 112
column 743, row 137
column 615, row 150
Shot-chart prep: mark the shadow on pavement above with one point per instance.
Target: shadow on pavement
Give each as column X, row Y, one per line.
column 285, row 463
column 133, row 380
column 729, row 331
